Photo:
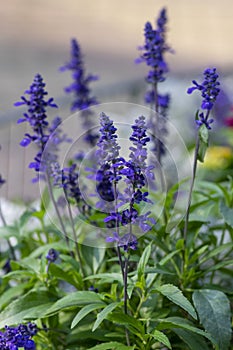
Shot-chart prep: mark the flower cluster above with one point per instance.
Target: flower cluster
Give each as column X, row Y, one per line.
column 133, row 173
column 14, row 338
column 82, row 93
column 209, row 91
column 68, row 179
column 209, row 88
column 154, row 49
column 52, row 255
column 110, row 162
column 36, row 116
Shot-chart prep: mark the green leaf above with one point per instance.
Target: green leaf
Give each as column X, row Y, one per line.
column 93, row 257
column 75, row 299
column 178, row 322
column 104, row 313
column 30, row 306
column 107, row 277
column 60, row 246
column 9, row 231
column 227, row 213
column 162, row 338
column 113, row 345
column 168, row 257
column 219, row 266
column 216, row 251
column 127, row 320
column 143, row 261
column 174, row 294
column 194, row 341
column 203, row 142
column 84, row 312
column 11, row 293
column 213, row 308
column 70, row 277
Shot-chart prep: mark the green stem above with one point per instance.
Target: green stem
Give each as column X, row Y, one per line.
column 126, row 296
column 191, row 190
column 58, row 213
column 75, row 236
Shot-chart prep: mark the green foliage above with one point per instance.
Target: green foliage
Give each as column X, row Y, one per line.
column 173, row 292
column 160, row 286
column 214, row 311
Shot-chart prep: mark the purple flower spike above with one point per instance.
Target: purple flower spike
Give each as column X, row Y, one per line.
column 209, row 88
column 79, row 87
column 42, row 132
column 209, row 91
column 153, row 54
column 81, row 91
column 154, row 49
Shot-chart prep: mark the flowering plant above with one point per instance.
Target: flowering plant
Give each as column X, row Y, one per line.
column 137, row 271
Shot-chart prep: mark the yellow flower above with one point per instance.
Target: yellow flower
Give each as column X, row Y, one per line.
column 218, row 157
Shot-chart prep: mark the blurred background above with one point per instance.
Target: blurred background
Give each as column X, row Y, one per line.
column 35, row 38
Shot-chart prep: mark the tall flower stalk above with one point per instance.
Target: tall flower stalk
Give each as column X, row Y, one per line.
column 133, row 173
column 209, row 89
column 36, row 116
column 80, row 89
column 153, row 54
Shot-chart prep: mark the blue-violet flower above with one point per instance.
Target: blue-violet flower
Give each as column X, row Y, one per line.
column 82, row 93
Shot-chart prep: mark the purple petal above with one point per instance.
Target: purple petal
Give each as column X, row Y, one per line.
column 25, row 142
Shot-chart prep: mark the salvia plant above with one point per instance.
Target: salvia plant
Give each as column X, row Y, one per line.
column 152, row 278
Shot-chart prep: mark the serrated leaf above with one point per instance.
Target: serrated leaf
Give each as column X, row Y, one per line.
column 194, row 341
column 104, row 313
column 174, row 294
column 213, row 308
column 30, row 306
column 203, row 142
column 112, row 346
column 178, row 322
column 162, row 338
column 227, row 213
column 84, row 312
column 75, row 299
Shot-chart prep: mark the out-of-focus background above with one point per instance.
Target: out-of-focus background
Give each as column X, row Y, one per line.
column 35, row 37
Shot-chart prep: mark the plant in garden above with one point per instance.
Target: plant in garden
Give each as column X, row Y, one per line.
column 81, row 91
column 152, row 286
column 43, row 133
column 209, row 91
